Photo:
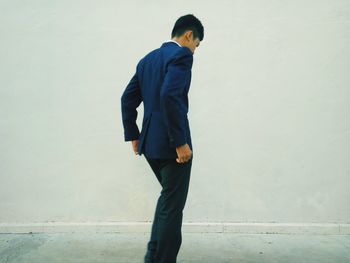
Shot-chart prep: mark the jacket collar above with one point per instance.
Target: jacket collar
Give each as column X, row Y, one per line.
column 171, row 42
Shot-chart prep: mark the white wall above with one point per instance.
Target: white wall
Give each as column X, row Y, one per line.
column 269, row 110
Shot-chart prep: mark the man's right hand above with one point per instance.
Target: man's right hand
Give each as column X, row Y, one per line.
column 184, row 153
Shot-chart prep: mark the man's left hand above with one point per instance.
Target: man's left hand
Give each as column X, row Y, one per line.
column 135, row 144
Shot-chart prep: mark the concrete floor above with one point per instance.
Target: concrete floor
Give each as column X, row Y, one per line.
column 196, row 247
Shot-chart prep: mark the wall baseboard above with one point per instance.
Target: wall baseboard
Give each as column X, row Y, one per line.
column 187, row 227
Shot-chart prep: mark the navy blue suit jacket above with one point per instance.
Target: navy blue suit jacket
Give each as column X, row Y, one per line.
column 161, row 81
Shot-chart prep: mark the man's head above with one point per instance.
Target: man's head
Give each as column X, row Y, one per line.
column 188, row 31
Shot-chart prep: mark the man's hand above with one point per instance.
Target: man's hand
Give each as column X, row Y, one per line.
column 135, row 144
column 184, row 153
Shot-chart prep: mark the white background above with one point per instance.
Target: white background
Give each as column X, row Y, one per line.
column 269, row 110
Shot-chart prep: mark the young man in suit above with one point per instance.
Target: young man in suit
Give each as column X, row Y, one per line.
column 162, row 81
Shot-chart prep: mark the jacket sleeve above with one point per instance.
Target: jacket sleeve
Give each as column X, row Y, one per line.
column 171, row 95
column 130, row 100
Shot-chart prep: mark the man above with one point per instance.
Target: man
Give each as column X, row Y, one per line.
column 161, row 81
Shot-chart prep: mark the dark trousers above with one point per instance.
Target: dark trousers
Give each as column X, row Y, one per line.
column 166, row 237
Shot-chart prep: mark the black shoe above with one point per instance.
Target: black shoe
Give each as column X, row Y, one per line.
column 151, row 252
column 149, row 258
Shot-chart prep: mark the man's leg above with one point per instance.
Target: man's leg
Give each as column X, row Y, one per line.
column 152, row 243
column 175, row 178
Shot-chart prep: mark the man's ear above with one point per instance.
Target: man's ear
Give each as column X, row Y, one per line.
column 189, row 35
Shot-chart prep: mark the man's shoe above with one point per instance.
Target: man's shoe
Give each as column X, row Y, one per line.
column 151, row 252
column 149, row 258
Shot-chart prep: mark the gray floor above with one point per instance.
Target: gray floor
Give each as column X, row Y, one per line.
column 196, row 247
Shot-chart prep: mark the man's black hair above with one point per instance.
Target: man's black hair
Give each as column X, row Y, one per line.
column 188, row 22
